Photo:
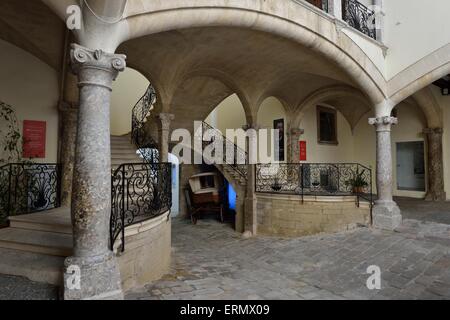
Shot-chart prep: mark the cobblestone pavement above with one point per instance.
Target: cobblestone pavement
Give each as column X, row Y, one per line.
column 210, row 261
column 17, row 288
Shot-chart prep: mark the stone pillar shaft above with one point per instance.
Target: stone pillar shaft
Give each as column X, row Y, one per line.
column 250, row 209
column 163, row 132
column 91, row 198
column 386, row 214
column 69, row 135
column 294, row 138
column 436, row 190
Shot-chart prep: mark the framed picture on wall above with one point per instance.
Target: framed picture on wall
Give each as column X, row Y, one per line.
column 279, row 140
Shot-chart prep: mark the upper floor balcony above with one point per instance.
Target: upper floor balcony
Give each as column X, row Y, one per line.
column 353, row 12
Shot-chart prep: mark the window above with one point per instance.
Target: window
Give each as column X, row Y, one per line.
column 326, row 126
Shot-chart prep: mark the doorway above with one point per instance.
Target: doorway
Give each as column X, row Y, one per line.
column 411, row 166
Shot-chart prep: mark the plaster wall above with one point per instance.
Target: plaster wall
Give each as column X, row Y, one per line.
column 413, row 30
column 129, row 87
column 31, row 87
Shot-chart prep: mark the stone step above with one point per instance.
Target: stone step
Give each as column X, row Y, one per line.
column 123, row 151
column 125, row 156
column 48, row 243
column 57, row 221
column 33, row 266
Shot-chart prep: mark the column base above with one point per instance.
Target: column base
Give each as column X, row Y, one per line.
column 386, row 215
column 99, row 278
column 433, row 196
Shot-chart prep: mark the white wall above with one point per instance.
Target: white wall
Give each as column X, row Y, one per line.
column 323, row 153
column 31, row 88
column 229, row 114
column 129, row 87
column 414, row 29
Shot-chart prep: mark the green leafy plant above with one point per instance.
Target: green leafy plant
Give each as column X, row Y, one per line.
column 358, row 182
column 9, row 135
column 9, row 153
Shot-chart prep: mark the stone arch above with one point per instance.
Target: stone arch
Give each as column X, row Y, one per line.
column 429, row 106
column 420, row 75
column 332, row 93
column 228, row 81
column 290, row 20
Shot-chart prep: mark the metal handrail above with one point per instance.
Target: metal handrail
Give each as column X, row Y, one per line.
column 139, row 115
column 316, row 179
column 29, row 187
column 140, row 192
column 241, row 169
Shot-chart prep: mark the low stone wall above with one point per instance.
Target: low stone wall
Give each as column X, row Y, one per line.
column 281, row 215
column 147, row 252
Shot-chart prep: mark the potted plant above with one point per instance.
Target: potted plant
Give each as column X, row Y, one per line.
column 276, row 186
column 357, row 183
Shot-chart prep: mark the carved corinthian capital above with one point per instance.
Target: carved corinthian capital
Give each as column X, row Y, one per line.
column 383, row 123
column 96, row 60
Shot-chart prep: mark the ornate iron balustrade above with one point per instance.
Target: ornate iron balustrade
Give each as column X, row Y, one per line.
column 359, row 17
column 239, row 156
column 29, row 188
column 139, row 136
column 140, row 192
column 317, row 179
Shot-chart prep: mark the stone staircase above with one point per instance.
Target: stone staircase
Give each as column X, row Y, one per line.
column 35, row 245
column 123, row 151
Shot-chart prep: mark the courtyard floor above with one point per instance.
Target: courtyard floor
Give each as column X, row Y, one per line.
column 211, row 261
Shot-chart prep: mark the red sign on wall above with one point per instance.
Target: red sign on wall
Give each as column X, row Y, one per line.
column 34, row 136
column 303, row 154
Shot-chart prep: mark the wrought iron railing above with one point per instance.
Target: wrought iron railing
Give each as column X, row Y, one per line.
column 139, row 136
column 233, row 156
column 29, row 188
column 140, row 192
column 316, row 179
column 359, row 17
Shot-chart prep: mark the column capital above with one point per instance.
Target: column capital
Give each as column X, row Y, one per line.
column 85, row 58
column 250, row 127
column 165, row 120
column 383, row 123
column 296, row 132
column 433, row 131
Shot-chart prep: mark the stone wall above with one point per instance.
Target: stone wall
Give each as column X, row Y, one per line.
column 147, row 253
column 281, row 215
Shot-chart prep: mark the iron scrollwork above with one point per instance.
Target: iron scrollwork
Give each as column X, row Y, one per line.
column 29, row 188
column 359, row 17
column 238, row 155
column 140, row 192
column 139, row 136
column 315, row 179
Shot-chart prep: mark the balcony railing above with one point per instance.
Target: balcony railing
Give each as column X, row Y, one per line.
column 28, row 188
column 316, row 179
column 359, row 17
column 140, row 192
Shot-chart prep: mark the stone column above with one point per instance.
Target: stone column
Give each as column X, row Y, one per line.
column 163, row 133
column 250, row 210
column 69, row 135
column 91, row 197
column 435, row 165
column 294, row 138
column 386, row 213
